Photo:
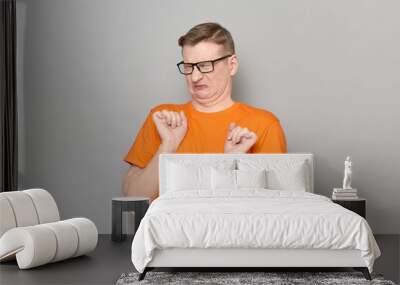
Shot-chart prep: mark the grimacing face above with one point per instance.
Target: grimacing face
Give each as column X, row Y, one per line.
column 208, row 87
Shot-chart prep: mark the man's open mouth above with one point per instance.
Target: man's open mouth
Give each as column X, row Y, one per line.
column 200, row 87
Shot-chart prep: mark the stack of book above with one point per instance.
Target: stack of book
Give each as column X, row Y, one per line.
column 344, row 194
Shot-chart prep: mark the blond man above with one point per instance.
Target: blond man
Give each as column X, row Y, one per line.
column 211, row 122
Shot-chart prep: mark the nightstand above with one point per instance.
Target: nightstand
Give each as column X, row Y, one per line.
column 122, row 204
column 358, row 205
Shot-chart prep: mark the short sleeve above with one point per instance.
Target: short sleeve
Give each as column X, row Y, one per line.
column 145, row 145
column 273, row 140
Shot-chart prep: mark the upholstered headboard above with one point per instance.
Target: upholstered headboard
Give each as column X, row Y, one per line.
column 233, row 160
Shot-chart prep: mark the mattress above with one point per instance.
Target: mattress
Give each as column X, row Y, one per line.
column 251, row 219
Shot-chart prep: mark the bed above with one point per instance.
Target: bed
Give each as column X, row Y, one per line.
column 245, row 211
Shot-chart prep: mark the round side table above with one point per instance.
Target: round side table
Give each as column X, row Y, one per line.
column 122, row 204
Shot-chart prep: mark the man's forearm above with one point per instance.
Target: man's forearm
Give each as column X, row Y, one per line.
column 145, row 182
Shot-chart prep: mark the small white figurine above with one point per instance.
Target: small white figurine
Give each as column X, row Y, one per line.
column 347, row 174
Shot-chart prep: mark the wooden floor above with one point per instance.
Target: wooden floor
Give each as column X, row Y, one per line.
column 111, row 259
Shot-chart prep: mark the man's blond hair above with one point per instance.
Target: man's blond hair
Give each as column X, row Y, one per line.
column 210, row 32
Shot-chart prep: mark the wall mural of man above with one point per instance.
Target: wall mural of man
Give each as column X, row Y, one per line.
column 211, row 122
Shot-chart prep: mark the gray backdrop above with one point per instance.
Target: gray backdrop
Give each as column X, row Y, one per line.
column 89, row 72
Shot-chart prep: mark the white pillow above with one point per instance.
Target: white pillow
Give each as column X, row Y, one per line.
column 251, row 178
column 236, row 179
column 184, row 177
column 282, row 174
column 293, row 178
column 223, row 179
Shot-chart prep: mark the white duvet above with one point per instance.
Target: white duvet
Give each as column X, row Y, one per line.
column 250, row 218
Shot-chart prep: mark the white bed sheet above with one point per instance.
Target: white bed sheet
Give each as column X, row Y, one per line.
column 250, row 218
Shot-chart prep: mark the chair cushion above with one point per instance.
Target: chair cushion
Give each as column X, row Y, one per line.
column 7, row 216
column 27, row 208
column 40, row 244
column 45, row 205
column 23, row 208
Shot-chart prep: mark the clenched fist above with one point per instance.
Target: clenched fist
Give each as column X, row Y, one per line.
column 171, row 127
column 239, row 140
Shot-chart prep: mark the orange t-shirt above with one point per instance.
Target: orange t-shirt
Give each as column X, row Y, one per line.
column 207, row 132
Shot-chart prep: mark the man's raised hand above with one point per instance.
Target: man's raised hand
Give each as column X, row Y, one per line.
column 239, row 140
column 171, row 127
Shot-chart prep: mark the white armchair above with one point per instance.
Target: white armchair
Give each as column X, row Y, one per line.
column 31, row 231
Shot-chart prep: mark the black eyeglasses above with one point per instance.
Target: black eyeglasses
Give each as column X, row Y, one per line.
column 202, row 66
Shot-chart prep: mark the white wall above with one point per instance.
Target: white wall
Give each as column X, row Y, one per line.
column 93, row 69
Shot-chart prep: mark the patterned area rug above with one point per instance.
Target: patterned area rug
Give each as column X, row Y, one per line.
column 229, row 278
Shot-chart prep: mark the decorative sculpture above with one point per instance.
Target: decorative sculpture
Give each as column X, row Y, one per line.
column 347, row 173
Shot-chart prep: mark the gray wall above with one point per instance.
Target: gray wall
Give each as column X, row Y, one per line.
column 91, row 70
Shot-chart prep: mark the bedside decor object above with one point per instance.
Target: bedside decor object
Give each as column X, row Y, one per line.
column 347, row 173
column 31, row 231
column 122, row 204
column 347, row 192
column 344, row 194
